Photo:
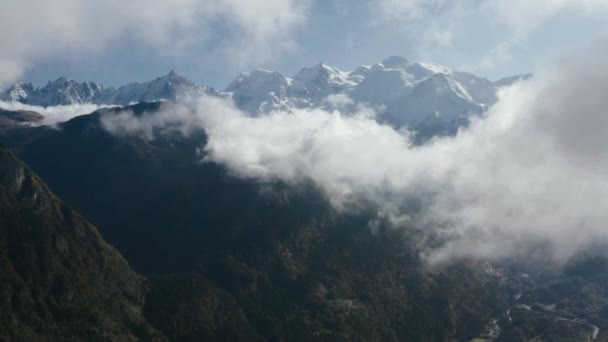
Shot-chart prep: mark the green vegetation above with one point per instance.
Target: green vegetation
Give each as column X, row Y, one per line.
column 58, row 279
column 239, row 260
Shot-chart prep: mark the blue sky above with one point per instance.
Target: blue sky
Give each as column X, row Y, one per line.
column 113, row 43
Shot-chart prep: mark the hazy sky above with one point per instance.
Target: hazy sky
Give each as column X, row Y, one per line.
column 211, row 41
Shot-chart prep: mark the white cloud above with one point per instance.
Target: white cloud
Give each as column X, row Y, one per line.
column 247, row 31
column 170, row 118
column 522, row 16
column 530, row 173
column 53, row 115
column 443, row 39
column 519, row 15
column 407, row 11
column 339, row 101
column 490, row 33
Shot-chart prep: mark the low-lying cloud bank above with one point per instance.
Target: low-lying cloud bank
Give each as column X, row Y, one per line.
column 531, row 172
column 52, row 115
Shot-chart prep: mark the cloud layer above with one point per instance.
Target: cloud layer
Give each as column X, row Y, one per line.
column 498, row 31
column 242, row 31
column 518, row 15
column 52, row 115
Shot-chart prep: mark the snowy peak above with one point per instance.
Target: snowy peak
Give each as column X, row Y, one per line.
column 62, row 91
column 416, row 70
column 17, row 92
column 259, row 91
column 319, row 73
column 421, row 71
column 410, row 93
column 315, row 83
column 267, row 80
column 380, row 83
column 414, row 92
column 412, row 71
column 169, row 87
column 173, row 78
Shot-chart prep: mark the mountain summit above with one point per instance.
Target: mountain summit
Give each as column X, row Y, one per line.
column 62, row 91
column 169, row 87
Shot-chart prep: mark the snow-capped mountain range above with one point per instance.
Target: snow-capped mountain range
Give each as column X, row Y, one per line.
column 65, row 91
column 405, row 94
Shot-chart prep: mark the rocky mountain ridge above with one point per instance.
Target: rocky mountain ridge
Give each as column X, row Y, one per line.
column 404, row 93
column 65, row 91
